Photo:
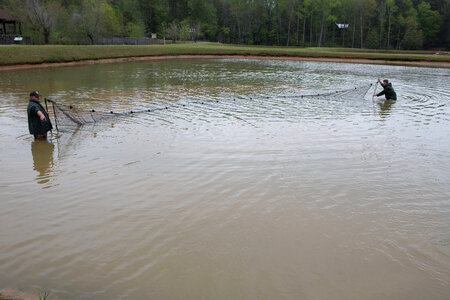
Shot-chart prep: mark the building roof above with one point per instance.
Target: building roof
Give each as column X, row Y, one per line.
column 4, row 15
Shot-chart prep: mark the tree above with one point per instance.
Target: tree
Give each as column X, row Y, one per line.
column 366, row 9
column 288, row 7
column 429, row 22
column 326, row 6
column 381, row 17
column 372, row 23
column 172, row 31
column 373, row 40
column 154, row 14
column 185, row 31
column 345, row 13
column 413, row 38
column 301, row 12
column 39, row 16
column 390, row 8
column 93, row 19
column 444, row 34
column 203, row 13
column 195, row 31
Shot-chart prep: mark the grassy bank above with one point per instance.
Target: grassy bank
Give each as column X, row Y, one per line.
column 26, row 54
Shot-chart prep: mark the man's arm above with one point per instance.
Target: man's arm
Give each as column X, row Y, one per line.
column 381, row 93
column 41, row 115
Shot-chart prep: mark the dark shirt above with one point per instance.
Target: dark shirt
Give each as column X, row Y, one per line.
column 388, row 92
column 35, row 125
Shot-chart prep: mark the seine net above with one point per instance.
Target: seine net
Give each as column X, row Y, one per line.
column 70, row 116
column 355, row 93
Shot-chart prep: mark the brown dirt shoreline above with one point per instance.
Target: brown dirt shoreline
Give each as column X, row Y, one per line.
column 11, row 294
column 424, row 64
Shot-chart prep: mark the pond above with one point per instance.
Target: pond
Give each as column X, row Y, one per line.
column 239, row 190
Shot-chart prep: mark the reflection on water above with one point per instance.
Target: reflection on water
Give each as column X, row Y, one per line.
column 235, row 191
column 385, row 107
column 42, row 151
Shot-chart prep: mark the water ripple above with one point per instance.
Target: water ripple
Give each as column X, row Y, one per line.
column 228, row 180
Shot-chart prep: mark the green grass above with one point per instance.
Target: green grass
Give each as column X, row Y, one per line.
column 27, row 54
column 44, row 295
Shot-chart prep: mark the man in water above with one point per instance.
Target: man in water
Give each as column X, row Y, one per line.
column 38, row 120
column 388, row 90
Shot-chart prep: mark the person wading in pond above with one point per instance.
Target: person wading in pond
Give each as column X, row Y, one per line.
column 38, row 120
column 388, row 90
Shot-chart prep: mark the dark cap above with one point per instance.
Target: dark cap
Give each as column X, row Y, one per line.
column 387, row 81
column 35, row 94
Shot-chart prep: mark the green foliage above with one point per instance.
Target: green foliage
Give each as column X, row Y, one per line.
column 172, row 31
column 372, row 41
column 372, row 23
column 413, row 38
column 185, row 31
column 93, row 19
column 429, row 22
column 40, row 18
column 109, row 20
column 44, row 295
column 135, row 30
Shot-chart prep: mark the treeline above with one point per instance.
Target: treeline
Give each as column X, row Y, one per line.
column 377, row 24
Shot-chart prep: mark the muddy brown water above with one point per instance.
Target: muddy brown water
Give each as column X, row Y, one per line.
column 268, row 198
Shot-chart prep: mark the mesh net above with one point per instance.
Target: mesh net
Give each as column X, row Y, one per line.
column 70, row 116
column 355, row 93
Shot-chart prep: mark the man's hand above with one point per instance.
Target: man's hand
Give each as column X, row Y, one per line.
column 41, row 116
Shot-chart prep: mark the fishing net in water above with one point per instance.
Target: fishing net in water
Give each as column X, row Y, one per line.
column 355, row 93
column 70, row 116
